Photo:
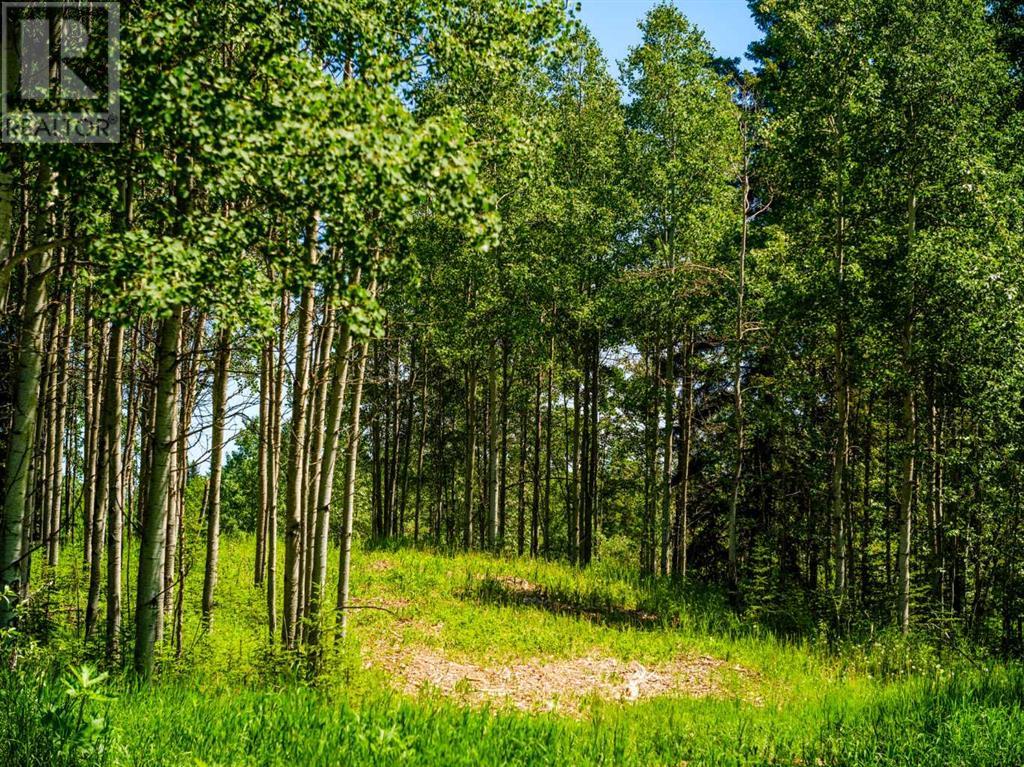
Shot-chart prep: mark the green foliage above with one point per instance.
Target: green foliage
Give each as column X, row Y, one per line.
column 55, row 720
column 234, row 702
column 478, row 166
column 240, row 486
column 616, row 558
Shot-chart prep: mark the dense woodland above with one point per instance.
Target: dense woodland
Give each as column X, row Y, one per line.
column 434, row 273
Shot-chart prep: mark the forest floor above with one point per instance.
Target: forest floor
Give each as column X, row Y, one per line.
column 477, row 660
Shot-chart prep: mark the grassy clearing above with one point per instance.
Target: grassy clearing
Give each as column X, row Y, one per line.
column 229, row 701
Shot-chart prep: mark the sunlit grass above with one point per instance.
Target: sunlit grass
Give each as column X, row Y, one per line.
column 230, row 700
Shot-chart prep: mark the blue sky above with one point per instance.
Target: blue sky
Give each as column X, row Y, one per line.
column 726, row 23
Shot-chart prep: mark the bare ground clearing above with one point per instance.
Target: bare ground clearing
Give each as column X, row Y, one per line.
column 549, row 685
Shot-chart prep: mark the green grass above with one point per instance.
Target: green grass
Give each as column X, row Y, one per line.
column 229, row 701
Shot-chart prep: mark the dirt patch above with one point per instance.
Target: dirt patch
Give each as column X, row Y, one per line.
column 513, row 582
column 380, row 565
column 548, row 685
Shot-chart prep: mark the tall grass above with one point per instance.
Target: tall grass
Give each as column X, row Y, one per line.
column 960, row 721
column 229, row 700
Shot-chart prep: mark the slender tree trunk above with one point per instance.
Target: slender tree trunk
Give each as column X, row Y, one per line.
column 263, row 466
column 315, row 458
column 181, row 572
column 866, row 506
column 888, row 515
column 938, row 546
column 737, row 478
column 594, row 517
column 147, row 446
column 470, row 459
column 376, row 498
column 89, row 428
column 28, row 517
column 419, row 455
column 503, row 482
column 440, row 465
column 649, row 524
column 839, row 465
column 686, row 431
column 118, row 478
column 521, row 531
column 275, row 474
column 174, row 571
column 56, row 529
column 666, row 471
column 391, row 446
column 547, row 452
column 348, row 508
column 220, row 398
column 21, row 441
column 567, row 475
column 909, row 426
column 154, row 523
column 492, row 446
column 296, row 449
column 535, row 515
column 574, row 490
column 842, row 388
column 50, row 489
column 325, row 490
column 101, row 492
column 410, row 406
column 178, row 469
column 112, row 429
column 129, row 483
column 586, row 518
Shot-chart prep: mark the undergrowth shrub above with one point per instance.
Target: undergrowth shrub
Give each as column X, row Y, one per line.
column 616, row 558
column 54, row 721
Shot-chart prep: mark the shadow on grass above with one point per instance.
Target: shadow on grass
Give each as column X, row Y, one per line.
column 518, row 592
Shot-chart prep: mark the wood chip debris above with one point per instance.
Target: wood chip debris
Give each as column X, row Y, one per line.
column 546, row 685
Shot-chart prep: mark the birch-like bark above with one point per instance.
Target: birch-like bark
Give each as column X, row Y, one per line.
column 89, row 432
column 909, row 427
column 574, row 487
column 275, row 470
column 535, row 509
column 220, row 398
column 666, row 470
column 21, row 442
column 348, row 508
column 737, row 475
column 686, row 427
column 503, row 481
column 325, row 489
column 56, row 527
column 470, row 457
column 547, row 451
column 296, row 449
column 315, row 461
column 419, row 458
column 259, row 567
column 112, row 430
column 49, row 414
column 492, row 455
column 154, row 523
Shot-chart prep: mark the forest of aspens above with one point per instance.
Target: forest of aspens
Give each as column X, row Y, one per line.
column 410, row 383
